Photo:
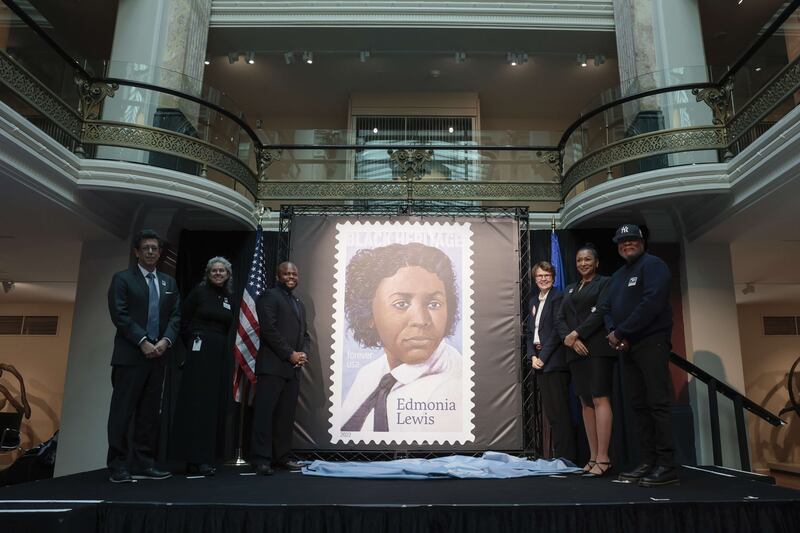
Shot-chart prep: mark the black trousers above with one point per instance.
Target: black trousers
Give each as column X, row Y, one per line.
column 273, row 419
column 136, row 398
column 555, row 402
column 649, row 387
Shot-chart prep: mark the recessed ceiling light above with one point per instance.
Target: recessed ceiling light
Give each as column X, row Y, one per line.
column 758, row 69
column 451, row 129
column 207, row 62
column 374, row 130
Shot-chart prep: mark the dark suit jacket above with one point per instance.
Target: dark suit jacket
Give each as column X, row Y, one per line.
column 581, row 311
column 552, row 350
column 128, row 298
column 282, row 332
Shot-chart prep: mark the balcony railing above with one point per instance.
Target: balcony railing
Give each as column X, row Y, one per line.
column 156, row 117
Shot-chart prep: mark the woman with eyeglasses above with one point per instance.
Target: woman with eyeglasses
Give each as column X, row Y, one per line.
column 546, row 353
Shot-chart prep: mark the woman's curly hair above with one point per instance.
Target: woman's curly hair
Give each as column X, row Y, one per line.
column 370, row 266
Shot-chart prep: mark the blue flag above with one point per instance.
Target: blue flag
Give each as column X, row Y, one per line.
column 555, row 258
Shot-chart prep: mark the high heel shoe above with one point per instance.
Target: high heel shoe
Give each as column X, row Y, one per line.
column 603, row 466
column 586, row 470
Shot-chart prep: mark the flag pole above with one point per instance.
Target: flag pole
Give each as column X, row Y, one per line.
column 239, row 459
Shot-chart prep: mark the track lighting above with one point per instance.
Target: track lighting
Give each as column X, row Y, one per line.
column 460, row 57
column 363, row 56
column 288, row 57
column 250, row 57
column 582, row 60
column 308, row 57
column 233, row 57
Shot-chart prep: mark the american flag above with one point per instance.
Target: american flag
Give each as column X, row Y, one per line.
column 247, row 333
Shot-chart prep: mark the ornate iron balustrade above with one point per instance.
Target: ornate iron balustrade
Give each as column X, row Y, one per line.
column 75, row 128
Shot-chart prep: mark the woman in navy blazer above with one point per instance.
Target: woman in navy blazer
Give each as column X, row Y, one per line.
column 590, row 358
column 546, row 353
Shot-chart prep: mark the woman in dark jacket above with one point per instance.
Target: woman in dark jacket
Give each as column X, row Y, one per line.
column 590, row 358
column 206, row 318
column 546, row 353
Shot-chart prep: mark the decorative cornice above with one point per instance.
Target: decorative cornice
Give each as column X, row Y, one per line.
column 109, row 176
column 597, row 15
column 661, row 183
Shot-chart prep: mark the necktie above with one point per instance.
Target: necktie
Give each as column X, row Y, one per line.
column 152, row 308
column 377, row 401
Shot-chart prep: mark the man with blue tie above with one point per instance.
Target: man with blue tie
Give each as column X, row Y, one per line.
column 145, row 308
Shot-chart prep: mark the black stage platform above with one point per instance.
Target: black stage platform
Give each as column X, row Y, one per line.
column 705, row 501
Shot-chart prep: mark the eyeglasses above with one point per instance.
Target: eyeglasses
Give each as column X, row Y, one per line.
column 150, row 248
column 543, row 276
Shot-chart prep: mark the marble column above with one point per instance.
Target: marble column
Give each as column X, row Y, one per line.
column 163, row 43
column 660, row 43
column 711, row 325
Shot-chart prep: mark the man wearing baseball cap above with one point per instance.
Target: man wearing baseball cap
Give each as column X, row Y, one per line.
column 639, row 318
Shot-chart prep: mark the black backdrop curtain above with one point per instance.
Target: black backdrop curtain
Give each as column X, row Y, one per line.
column 195, row 249
column 624, row 444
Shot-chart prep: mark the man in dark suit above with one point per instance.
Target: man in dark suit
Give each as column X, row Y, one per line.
column 145, row 307
column 547, row 354
column 283, row 352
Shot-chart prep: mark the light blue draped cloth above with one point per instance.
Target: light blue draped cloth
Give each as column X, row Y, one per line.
column 491, row 465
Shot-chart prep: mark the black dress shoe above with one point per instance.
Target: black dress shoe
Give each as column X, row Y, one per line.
column 151, row 473
column 120, row 476
column 660, row 476
column 264, row 470
column 206, row 470
column 194, row 469
column 291, row 466
column 636, row 474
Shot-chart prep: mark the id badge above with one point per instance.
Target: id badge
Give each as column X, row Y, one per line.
column 198, row 342
column 226, row 304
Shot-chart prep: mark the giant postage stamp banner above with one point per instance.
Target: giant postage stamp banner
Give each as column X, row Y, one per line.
column 402, row 362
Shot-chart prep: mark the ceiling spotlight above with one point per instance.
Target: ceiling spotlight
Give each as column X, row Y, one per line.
column 250, row 57
column 233, row 57
column 758, row 69
column 7, row 286
column 461, row 57
column 288, row 57
column 749, row 288
column 451, row 129
column 207, row 62
column 582, row 60
column 599, row 59
column 363, row 56
column 374, row 130
column 308, row 57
